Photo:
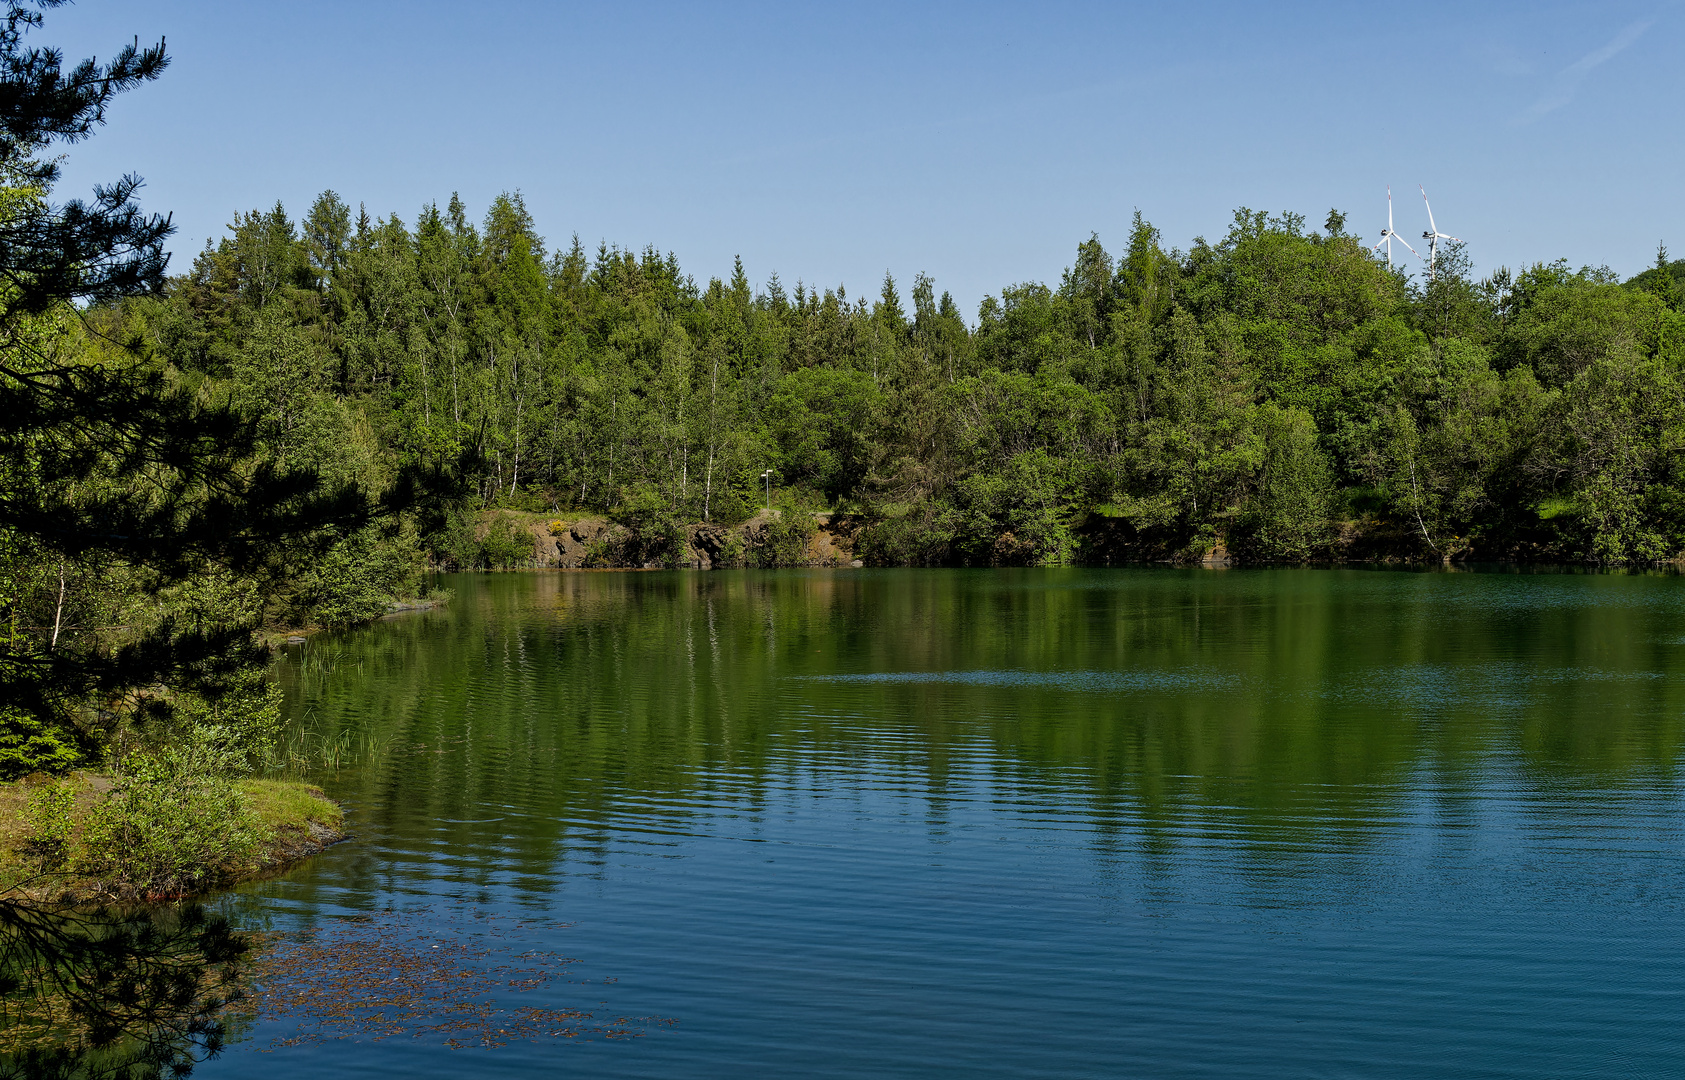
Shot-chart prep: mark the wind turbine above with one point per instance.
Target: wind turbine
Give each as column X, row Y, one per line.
column 1435, row 236
column 1387, row 234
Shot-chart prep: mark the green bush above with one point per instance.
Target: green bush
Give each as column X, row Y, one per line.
column 599, row 554
column 920, row 537
column 173, row 825
column 506, row 546
column 732, row 553
column 353, row 581
column 46, row 820
column 733, row 504
column 1021, row 515
column 234, row 732
column 1288, row 517
column 783, row 540
column 655, row 532
column 456, row 545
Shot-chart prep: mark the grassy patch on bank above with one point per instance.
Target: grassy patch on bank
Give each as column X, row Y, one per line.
column 87, row 836
column 283, row 803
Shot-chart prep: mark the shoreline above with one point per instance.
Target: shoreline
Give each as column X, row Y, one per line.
column 843, row 540
column 301, row 819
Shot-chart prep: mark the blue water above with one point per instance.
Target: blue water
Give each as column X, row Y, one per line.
column 1060, row 823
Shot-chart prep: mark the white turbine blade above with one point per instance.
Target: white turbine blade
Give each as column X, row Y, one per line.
column 1406, row 243
column 1447, row 236
column 1389, row 208
column 1425, row 203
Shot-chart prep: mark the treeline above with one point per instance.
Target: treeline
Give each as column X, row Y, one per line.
column 1279, row 392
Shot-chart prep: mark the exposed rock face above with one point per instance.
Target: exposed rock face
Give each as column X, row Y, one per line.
column 711, row 545
column 833, row 544
column 1101, row 541
column 569, row 545
column 574, row 543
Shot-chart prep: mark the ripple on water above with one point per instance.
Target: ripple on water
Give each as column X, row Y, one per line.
column 1093, row 682
column 1061, row 824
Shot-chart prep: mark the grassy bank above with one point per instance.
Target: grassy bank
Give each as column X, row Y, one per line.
column 58, row 841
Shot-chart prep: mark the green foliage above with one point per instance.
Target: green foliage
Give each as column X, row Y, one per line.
column 174, row 824
column 1563, row 323
column 654, row 532
column 47, row 822
column 149, row 516
column 1621, row 440
column 1021, row 515
column 734, row 553
column 30, row 744
column 822, row 419
column 1288, row 517
column 1665, row 280
column 233, row 733
column 783, row 540
column 506, row 546
column 920, row 538
column 1279, row 391
column 600, row 554
column 454, row 544
column 354, row 580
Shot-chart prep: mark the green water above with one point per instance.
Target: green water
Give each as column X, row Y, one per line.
column 1023, row 823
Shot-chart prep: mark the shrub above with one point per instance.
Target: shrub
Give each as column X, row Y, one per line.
column 455, row 545
column 353, row 580
column 1021, row 515
column 173, row 825
column 919, row 538
column 46, row 820
column 599, row 553
column 655, row 533
column 783, row 541
column 730, row 505
column 732, row 553
column 1288, row 517
column 506, row 546
column 234, row 732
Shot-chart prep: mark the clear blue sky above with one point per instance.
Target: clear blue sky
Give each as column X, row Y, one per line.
column 978, row 142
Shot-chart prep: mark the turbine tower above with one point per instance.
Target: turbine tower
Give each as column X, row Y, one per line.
column 1434, row 236
column 1387, row 234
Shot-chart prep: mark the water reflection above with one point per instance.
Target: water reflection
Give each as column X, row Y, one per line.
column 1276, row 709
column 109, row 992
column 1148, row 822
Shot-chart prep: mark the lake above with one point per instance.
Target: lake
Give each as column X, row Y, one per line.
column 1025, row 823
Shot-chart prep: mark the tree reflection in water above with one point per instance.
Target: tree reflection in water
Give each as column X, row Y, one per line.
column 109, row 992
column 114, row 993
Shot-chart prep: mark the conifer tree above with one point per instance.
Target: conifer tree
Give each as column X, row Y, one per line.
column 109, row 464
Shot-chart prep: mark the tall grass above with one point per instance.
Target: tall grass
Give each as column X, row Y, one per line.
column 304, row 750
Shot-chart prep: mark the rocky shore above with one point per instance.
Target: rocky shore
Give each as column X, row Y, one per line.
column 591, row 541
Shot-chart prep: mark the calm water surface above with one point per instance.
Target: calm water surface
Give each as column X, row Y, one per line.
column 1063, row 823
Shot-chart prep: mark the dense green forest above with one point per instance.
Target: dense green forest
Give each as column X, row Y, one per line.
column 294, row 429
column 316, row 411
column 1278, row 393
